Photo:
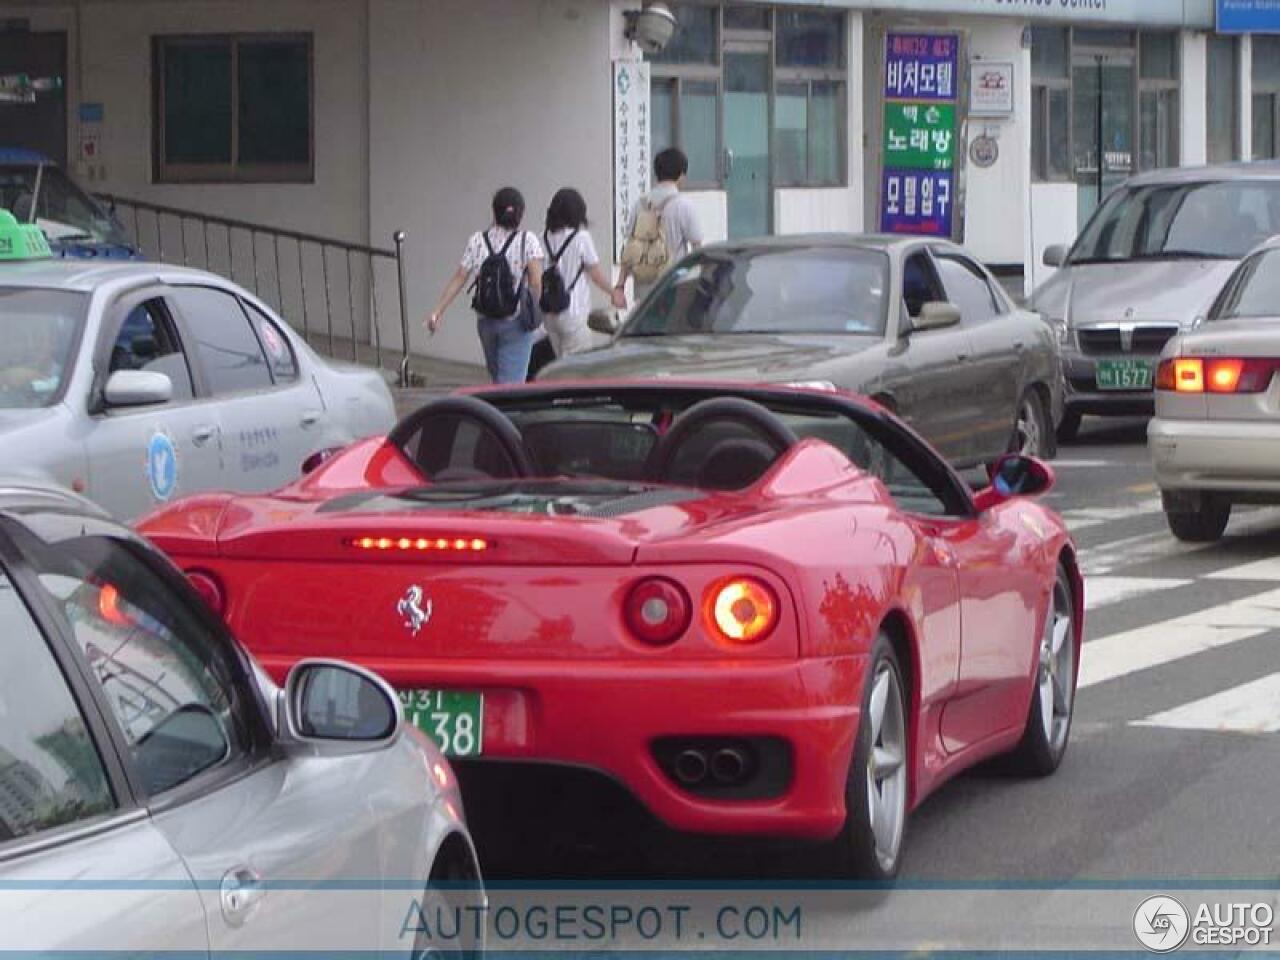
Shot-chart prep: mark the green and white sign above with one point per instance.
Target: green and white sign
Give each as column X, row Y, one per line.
column 920, row 136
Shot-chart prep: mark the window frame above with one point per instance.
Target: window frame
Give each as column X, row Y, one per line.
column 280, row 327
column 188, row 330
column 1270, row 92
column 1236, row 67
column 116, row 313
column 1160, row 87
column 232, row 171
column 942, row 255
column 255, row 718
column 839, row 77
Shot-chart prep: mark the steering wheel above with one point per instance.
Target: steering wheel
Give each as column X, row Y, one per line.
column 492, row 423
column 764, row 423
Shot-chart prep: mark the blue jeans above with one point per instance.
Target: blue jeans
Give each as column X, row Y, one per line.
column 506, row 348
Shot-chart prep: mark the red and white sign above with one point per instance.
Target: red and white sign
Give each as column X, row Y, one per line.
column 991, row 89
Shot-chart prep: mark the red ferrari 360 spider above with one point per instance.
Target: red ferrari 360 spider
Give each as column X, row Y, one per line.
column 765, row 611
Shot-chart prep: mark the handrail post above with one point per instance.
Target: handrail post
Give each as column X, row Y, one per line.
column 404, row 309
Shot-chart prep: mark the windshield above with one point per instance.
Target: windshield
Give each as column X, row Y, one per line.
column 1253, row 292
column 61, row 209
column 38, row 334
column 795, row 290
column 1209, row 221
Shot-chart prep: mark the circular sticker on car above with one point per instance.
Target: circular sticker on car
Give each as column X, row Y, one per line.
column 162, row 466
column 271, row 339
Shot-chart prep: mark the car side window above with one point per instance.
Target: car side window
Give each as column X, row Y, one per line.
column 51, row 773
column 166, row 675
column 228, row 349
column 967, row 288
column 919, row 283
column 149, row 341
column 280, row 355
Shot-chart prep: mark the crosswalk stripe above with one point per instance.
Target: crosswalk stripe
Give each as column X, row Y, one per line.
column 1099, row 591
column 1268, row 569
column 1249, row 708
column 1156, row 644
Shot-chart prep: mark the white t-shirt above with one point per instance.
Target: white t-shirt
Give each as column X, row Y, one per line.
column 524, row 249
column 580, row 255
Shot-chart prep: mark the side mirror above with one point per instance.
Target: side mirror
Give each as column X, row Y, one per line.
column 137, row 388
column 936, row 315
column 1055, row 255
column 335, row 707
column 1015, row 475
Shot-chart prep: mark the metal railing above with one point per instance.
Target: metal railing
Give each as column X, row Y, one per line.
column 287, row 280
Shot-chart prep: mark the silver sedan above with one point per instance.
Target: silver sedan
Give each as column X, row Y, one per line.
column 916, row 324
column 137, row 383
column 1215, row 438
column 158, row 794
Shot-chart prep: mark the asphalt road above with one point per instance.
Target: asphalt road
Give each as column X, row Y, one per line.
column 1174, row 764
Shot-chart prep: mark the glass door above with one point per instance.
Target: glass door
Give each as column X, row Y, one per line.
column 1103, row 91
column 746, row 138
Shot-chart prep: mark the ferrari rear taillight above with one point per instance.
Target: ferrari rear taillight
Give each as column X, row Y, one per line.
column 741, row 610
column 210, row 590
column 1216, row 374
column 421, row 544
column 657, row 611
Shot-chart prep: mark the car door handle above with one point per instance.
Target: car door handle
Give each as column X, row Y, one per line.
column 310, row 418
column 203, row 434
column 241, row 894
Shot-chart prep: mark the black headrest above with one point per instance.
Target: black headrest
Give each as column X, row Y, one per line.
column 734, row 464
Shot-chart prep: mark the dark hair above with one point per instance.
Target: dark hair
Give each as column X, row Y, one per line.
column 568, row 211
column 670, row 164
column 508, row 208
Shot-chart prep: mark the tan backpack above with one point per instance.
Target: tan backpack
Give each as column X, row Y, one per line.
column 646, row 252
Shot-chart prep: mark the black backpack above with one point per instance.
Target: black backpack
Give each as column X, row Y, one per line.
column 555, row 295
column 496, row 294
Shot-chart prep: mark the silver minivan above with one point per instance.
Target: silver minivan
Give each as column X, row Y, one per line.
column 1146, row 267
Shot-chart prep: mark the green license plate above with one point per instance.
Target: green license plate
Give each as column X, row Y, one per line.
column 454, row 719
column 1123, row 375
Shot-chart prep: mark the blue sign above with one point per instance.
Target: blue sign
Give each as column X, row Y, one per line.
column 917, row 201
column 162, row 467
column 921, row 66
column 1248, row 16
column 92, row 112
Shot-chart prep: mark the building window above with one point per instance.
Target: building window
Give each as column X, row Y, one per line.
column 1222, row 86
column 1266, row 97
column 233, row 108
column 1157, row 100
column 807, row 96
column 1050, row 103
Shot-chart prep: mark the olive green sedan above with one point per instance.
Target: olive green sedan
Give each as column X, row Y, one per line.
column 915, row 323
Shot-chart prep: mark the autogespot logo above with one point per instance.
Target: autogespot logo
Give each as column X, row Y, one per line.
column 1161, row 924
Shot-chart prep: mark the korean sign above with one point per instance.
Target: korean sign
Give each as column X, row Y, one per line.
column 921, row 95
column 631, row 162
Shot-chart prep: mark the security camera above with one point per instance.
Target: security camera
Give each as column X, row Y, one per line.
column 652, row 28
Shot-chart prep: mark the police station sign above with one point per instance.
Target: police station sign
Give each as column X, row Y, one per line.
column 919, row 149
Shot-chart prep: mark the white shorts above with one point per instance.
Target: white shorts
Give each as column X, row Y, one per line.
column 568, row 333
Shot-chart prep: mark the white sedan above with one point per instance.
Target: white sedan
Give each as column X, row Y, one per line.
column 136, row 383
column 160, row 796
column 1215, row 439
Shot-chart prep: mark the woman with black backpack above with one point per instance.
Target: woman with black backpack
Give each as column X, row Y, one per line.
column 570, row 259
column 504, row 265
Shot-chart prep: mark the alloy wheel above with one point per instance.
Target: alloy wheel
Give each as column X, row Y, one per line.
column 886, row 766
column 1027, row 433
column 1055, row 686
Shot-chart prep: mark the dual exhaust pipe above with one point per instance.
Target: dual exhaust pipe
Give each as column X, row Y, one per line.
column 726, row 766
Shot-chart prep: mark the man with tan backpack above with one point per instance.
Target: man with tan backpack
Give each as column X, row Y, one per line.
column 662, row 228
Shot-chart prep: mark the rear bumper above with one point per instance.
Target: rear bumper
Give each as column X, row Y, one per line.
column 1231, row 456
column 607, row 717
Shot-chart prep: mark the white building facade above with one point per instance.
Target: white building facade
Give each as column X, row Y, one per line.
column 358, row 118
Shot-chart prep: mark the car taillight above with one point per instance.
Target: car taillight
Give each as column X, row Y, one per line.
column 421, row 544
column 657, row 611
column 741, row 610
column 210, row 590
column 1216, row 374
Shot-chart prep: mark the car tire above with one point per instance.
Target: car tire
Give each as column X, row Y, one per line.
column 1069, row 428
column 1031, row 434
column 1053, row 694
column 1206, row 520
column 869, row 846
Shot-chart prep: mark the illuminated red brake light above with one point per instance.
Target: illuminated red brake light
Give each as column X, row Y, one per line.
column 210, row 590
column 657, row 611
column 1216, row 374
column 741, row 610
column 385, row 544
